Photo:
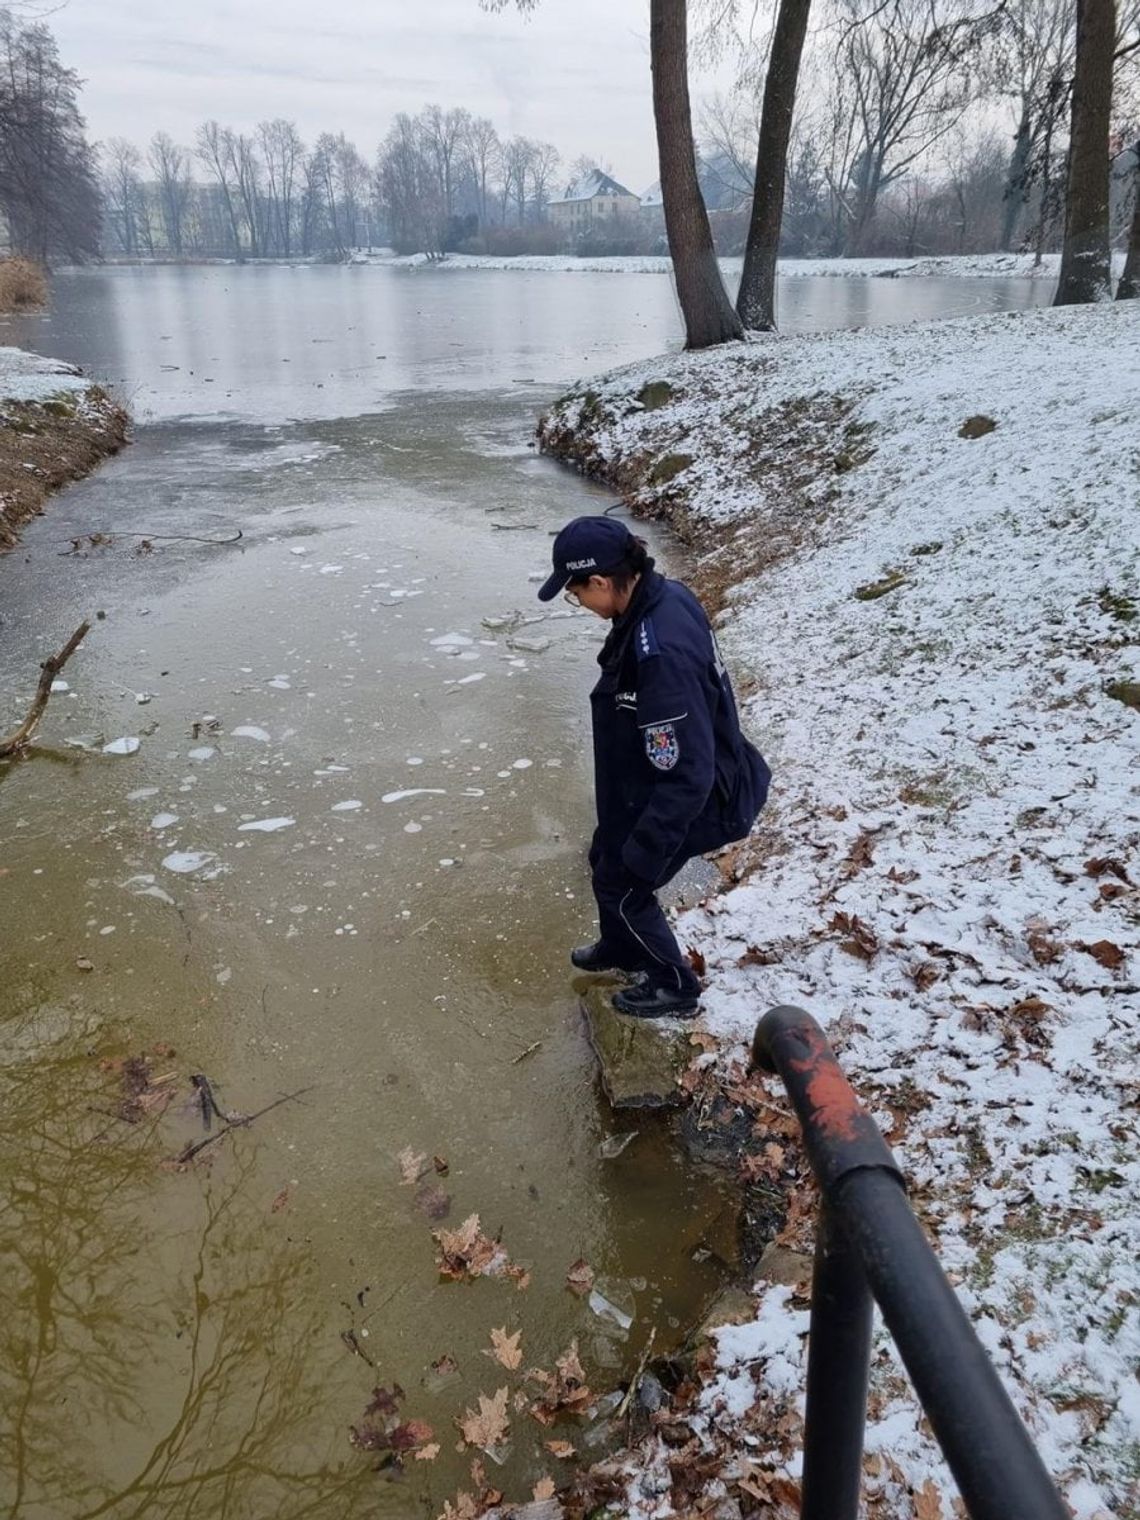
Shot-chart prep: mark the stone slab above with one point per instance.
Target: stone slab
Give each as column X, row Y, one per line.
column 640, row 1060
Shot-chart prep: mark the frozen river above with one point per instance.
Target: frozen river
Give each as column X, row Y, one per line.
column 347, row 855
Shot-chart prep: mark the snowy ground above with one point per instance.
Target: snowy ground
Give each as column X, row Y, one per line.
column 981, row 266
column 30, row 377
column 935, row 638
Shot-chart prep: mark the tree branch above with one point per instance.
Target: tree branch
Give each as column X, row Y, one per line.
column 48, row 672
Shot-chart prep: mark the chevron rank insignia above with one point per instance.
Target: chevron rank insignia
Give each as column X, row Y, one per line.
column 661, row 746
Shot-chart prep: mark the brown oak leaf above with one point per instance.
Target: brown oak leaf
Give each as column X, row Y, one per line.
column 1105, row 953
column 544, row 1489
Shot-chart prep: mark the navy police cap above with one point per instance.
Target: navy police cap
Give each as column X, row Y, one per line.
column 586, row 546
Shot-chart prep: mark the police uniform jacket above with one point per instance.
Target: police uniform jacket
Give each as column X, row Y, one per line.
column 674, row 776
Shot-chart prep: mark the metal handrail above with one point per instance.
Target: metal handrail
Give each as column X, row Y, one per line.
column 869, row 1245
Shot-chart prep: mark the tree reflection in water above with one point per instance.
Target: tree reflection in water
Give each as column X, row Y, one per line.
column 160, row 1349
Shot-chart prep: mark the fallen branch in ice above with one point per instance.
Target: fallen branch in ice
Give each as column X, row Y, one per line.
column 188, row 1152
column 48, row 672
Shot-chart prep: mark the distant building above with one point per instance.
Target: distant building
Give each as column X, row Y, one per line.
column 597, row 203
column 652, row 209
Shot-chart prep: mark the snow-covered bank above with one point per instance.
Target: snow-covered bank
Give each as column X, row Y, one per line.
column 926, row 542
column 55, row 426
column 972, row 266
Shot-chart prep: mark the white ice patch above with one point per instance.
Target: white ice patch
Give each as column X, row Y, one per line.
column 163, row 820
column 251, row 731
column 266, row 825
column 60, row 686
column 124, row 746
column 413, row 828
column 140, row 793
column 202, row 753
column 183, row 862
column 467, row 680
column 346, row 807
column 279, row 683
column 451, row 641
column 522, row 765
column 414, row 791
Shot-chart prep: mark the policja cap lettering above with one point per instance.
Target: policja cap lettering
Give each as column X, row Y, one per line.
column 586, row 546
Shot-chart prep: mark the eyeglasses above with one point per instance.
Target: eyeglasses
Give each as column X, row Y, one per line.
column 572, row 597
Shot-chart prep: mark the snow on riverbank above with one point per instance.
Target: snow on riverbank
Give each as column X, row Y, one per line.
column 972, row 266
column 939, row 633
column 55, row 426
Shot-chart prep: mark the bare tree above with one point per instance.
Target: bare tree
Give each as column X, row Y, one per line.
column 1129, row 287
column 170, row 166
column 1086, row 258
column 756, row 299
column 518, row 154
column 49, row 192
column 906, row 68
column 443, row 134
column 215, row 149
column 1031, row 62
column 124, row 195
column 707, row 312
column 282, row 153
column 484, row 156
column 409, row 189
column 544, row 161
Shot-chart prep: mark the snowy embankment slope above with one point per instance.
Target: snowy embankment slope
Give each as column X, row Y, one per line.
column 939, row 633
column 56, row 425
column 968, row 266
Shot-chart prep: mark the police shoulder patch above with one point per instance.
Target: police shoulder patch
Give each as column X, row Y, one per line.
column 662, row 746
column 645, row 640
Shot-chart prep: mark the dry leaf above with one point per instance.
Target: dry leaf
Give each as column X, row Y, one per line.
column 428, row 1453
column 580, row 1278
column 487, row 1426
column 1104, row 952
column 410, row 1434
column 1103, row 865
column 467, row 1252
column 464, row 1508
column 863, row 941
column 440, row 1164
column 412, row 1166
column 505, row 1349
column 696, row 960
column 755, row 956
column 927, row 1502
column 561, row 1449
column 544, row 1489
column 280, row 1201
column 564, row 1390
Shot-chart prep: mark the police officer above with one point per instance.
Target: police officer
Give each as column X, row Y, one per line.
column 673, row 774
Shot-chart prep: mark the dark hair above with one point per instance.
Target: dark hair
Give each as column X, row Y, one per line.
column 635, row 561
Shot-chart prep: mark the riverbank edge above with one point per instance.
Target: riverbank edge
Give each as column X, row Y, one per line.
column 56, row 426
column 762, row 457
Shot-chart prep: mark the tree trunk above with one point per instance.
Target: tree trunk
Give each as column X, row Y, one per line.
column 708, row 313
column 756, row 300
column 1129, row 287
column 1015, row 181
column 1086, row 261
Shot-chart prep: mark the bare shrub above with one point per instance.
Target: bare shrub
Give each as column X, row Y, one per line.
column 23, row 285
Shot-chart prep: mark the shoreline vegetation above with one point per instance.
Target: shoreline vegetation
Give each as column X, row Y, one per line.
column 920, row 546
column 56, row 426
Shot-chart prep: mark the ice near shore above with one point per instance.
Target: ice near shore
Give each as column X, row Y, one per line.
column 936, row 636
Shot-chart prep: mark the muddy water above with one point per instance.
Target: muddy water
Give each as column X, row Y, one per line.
column 346, row 857
column 174, row 1341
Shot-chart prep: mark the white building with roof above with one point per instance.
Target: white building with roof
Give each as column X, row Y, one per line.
column 596, row 203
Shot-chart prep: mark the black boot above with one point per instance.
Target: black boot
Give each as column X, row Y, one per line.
column 649, row 1000
column 595, row 957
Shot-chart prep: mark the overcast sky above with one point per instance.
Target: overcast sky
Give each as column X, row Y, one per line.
column 575, row 74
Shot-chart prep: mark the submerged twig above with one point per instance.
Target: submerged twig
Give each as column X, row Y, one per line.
column 623, row 1407
column 529, row 1051
column 48, row 671
column 188, row 1152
